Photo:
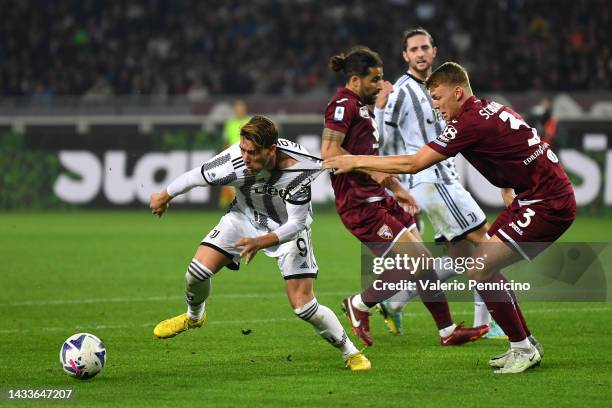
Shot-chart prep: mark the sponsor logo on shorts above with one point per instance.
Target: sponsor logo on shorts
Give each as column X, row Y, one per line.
column 385, row 232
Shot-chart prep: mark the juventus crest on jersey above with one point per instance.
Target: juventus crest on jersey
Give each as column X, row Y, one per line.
column 410, row 121
column 262, row 197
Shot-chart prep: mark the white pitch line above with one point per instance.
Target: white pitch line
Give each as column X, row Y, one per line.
column 284, row 320
column 151, row 299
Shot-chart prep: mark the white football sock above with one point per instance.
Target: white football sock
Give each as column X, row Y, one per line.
column 197, row 289
column 481, row 312
column 398, row 300
column 358, row 304
column 447, row 331
column 524, row 344
column 327, row 325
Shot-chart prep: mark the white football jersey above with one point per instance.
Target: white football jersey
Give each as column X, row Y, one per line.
column 410, row 122
column 262, row 197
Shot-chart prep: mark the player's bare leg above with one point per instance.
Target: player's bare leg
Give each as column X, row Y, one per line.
column 206, row 262
column 524, row 349
column 324, row 321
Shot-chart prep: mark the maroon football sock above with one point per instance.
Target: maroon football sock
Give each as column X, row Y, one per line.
column 434, row 300
column 501, row 306
column 519, row 312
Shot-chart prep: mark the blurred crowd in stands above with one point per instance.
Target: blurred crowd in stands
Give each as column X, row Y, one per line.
column 198, row 48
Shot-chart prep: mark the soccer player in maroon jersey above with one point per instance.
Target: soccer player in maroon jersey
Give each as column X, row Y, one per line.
column 364, row 206
column 510, row 154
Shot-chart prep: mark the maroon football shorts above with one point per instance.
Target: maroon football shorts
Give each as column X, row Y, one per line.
column 378, row 224
column 531, row 227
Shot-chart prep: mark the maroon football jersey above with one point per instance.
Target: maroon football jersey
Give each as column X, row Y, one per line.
column 346, row 113
column 504, row 149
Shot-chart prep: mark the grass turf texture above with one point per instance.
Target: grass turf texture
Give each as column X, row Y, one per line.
column 116, row 274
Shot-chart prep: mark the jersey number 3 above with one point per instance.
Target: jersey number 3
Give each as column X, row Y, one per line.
column 527, row 214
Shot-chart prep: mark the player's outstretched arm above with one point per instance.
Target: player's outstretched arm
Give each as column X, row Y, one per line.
column 160, row 201
column 404, row 164
column 331, row 146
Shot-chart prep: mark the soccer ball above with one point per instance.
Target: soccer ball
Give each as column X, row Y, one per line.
column 82, row 356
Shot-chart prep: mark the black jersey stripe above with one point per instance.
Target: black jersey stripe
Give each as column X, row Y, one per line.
column 418, row 110
column 275, row 176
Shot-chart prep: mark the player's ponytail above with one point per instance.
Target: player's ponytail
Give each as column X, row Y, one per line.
column 357, row 61
column 336, row 63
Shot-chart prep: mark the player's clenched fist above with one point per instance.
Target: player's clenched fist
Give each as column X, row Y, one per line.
column 383, row 95
column 159, row 203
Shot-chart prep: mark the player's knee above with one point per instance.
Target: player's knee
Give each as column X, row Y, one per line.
column 197, row 272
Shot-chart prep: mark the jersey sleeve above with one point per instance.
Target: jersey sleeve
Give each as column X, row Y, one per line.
column 220, row 170
column 339, row 115
column 297, row 218
column 186, row 182
column 453, row 139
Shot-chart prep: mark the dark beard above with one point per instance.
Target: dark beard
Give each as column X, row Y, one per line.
column 369, row 100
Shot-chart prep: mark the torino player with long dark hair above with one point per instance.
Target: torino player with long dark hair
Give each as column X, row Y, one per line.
column 368, row 212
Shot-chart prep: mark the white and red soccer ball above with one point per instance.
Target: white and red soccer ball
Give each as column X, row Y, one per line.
column 82, row 356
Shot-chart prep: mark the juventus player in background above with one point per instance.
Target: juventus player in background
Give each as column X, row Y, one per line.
column 508, row 153
column 406, row 121
column 271, row 212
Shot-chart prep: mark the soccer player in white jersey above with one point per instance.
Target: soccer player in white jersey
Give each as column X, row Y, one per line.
column 406, row 118
column 271, row 212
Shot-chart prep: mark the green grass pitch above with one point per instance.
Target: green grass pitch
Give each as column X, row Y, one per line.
column 115, row 274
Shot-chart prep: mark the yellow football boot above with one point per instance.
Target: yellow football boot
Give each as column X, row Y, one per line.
column 358, row 362
column 176, row 325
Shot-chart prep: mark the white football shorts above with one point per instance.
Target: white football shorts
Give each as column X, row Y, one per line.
column 452, row 210
column 295, row 258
